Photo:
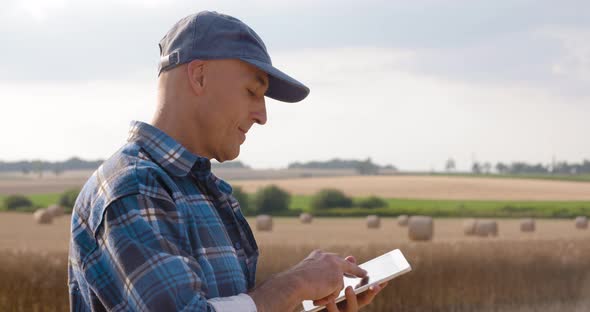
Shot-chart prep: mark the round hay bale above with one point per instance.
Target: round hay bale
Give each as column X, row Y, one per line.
column 527, row 225
column 495, row 228
column 420, row 228
column 43, row 216
column 581, row 222
column 305, row 218
column 469, row 226
column 56, row 210
column 486, row 228
column 402, row 220
column 373, row 221
column 264, row 223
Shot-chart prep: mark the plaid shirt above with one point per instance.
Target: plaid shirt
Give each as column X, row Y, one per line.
column 154, row 230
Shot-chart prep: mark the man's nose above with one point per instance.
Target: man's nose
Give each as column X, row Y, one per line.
column 259, row 112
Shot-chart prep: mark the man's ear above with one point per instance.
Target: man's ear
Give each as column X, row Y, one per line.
column 196, row 75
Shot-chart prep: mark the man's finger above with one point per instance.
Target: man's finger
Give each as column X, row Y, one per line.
column 368, row 296
column 332, row 307
column 325, row 300
column 350, row 259
column 320, row 302
column 352, row 268
column 351, row 303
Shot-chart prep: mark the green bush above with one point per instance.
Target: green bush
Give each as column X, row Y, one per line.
column 330, row 198
column 14, row 202
column 371, row 202
column 68, row 198
column 272, row 200
column 242, row 198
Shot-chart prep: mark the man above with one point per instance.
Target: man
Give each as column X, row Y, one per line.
column 154, row 230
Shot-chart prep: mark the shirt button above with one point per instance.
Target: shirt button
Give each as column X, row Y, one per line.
column 237, row 245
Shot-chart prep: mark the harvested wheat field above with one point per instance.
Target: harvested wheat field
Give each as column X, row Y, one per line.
column 353, row 231
column 17, row 183
column 432, row 187
column 547, row 270
column 19, row 231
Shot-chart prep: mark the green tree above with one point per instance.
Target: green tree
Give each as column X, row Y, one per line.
column 68, row 198
column 272, row 200
column 371, row 202
column 14, row 202
column 367, row 167
column 38, row 167
column 330, row 198
column 501, row 168
column 476, row 168
column 58, row 169
column 450, row 165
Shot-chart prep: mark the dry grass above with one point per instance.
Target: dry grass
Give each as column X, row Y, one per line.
column 548, row 270
column 472, row 276
column 33, row 281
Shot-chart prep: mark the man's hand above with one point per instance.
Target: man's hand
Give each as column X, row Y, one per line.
column 318, row 277
column 353, row 302
column 321, row 275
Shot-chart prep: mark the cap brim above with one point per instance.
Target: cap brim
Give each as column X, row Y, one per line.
column 281, row 86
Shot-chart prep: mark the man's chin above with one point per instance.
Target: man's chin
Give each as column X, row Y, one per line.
column 229, row 156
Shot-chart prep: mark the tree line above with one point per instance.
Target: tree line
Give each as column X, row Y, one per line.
column 560, row 168
column 75, row 163
column 363, row 167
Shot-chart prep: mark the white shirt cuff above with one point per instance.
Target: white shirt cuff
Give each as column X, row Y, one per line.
column 239, row 303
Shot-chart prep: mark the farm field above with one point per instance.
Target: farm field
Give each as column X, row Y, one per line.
column 439, row 196
column 395, row 207
column 18, row 231
column 433, row 187
column 388, row 186
column 548, row 270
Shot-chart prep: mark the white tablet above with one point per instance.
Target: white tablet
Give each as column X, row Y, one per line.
column 379, row 270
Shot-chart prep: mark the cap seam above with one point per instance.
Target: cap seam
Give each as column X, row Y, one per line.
column 194, row 25
column 206, row 32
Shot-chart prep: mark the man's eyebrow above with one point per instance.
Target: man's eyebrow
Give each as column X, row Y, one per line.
column 261, row 80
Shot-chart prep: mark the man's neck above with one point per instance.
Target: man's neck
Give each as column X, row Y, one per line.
column 176, row 128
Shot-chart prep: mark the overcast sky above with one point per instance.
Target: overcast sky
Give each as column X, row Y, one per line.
column 409, row 83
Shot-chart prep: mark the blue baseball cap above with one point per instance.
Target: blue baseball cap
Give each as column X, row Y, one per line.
column 210, row 35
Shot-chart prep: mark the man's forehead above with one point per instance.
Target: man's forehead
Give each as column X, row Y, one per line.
column 239, row 68
column 256, row 74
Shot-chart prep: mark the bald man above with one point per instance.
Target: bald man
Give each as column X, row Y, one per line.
column 155, row 230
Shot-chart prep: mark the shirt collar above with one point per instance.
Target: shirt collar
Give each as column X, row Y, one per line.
column 166, row 151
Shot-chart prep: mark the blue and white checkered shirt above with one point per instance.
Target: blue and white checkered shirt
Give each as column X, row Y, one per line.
column 155, row 230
